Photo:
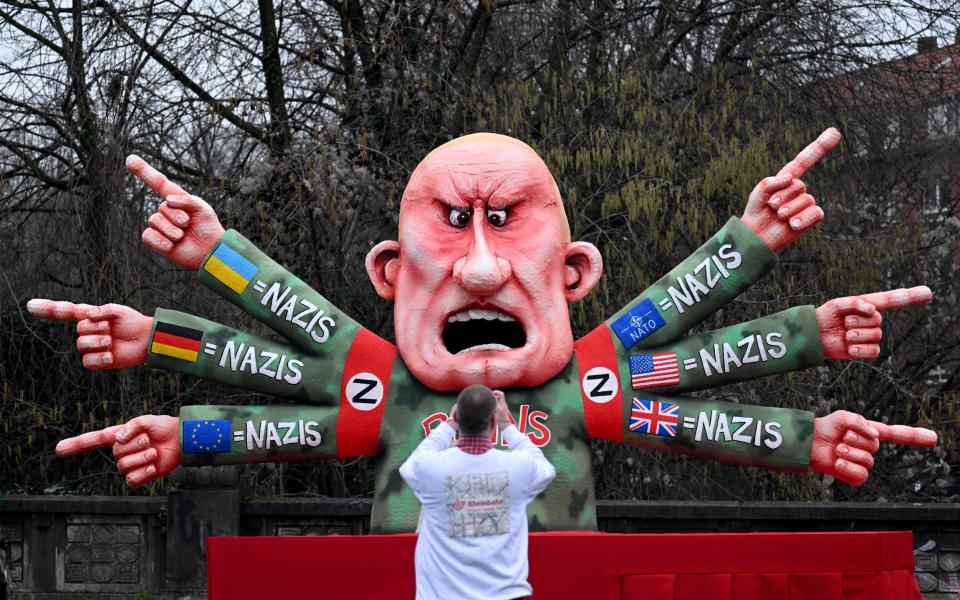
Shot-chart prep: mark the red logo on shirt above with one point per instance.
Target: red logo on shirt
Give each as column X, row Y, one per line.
column 533, row 423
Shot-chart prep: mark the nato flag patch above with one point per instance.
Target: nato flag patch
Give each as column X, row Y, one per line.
column 206, row 437
column 639, row 322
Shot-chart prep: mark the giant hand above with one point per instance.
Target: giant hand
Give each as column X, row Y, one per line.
column 147, row 447
column 184, row 228
column 850, row 327
column 779, row 209
column 109, row 336
column 844, row 444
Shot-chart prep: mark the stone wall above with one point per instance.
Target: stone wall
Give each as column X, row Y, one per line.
column 84, row 547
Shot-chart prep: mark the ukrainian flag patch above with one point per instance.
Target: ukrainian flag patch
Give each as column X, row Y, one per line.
column 230, row 268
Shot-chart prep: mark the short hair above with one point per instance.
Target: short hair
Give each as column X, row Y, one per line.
column 475, row 404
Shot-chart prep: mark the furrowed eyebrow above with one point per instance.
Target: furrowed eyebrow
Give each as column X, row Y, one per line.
column 458, row 204
column 506, row 204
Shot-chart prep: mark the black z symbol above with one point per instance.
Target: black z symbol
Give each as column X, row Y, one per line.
column 601, row 379
column 360, row 397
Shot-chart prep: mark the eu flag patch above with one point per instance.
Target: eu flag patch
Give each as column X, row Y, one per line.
column 206, row 437
column 639, row 322
column 231, row 268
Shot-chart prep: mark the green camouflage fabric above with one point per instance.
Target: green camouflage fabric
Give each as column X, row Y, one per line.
column 716, row 273
column 780, row 343
column 552, row 415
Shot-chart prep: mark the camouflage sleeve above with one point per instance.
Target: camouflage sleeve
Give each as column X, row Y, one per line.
column 786, row 341
column 757, row 436
column 226, row 435
column 716, row 273
column 240, row 272
column 195, row 346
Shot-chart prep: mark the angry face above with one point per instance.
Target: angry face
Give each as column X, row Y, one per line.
column 484, row 268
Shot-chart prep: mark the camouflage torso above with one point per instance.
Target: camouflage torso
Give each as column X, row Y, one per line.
column 552, row 418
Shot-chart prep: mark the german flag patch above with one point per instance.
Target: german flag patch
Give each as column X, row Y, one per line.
column 176, row 341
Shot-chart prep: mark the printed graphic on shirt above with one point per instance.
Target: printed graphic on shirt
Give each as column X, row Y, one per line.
column 478, row 505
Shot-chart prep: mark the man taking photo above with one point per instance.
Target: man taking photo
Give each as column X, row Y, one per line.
column 473, row 534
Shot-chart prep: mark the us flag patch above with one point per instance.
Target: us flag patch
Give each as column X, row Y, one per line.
column 654, row 370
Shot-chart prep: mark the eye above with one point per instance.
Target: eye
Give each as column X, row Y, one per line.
column 497, row 218
column 459, row 218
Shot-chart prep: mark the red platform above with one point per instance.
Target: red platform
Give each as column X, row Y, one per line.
column 719, row 566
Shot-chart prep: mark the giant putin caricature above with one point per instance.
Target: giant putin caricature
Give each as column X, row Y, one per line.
column 481, row 277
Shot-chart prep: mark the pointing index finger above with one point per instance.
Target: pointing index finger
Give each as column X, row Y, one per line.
column 154, row 179
column 812, row 154
column 87, row 441
column 60, row 310
column 899, row 298
column 904, row 435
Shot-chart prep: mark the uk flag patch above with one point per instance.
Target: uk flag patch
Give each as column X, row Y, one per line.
column 654, row 417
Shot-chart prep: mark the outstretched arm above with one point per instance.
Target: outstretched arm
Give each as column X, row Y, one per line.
column 151, row 446
column 778, row 212
column 798, row 338
column 115, row 336
column 841, row 444
column 186, row 230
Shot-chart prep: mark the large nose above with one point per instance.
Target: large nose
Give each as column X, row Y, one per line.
column 481, row 272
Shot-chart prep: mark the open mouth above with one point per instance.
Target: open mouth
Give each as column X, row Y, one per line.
column 475, row 329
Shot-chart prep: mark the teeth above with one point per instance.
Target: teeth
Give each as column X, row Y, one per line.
column 484, row 347
column 479, row 314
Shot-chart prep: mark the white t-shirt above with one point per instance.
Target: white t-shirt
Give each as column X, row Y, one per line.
column 473, row 535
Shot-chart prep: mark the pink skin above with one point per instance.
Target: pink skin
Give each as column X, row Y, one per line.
column 850, row 327
column 844, row 444
column 147, row 447
column 184, row 228
column 779, row 210
column 109, row 336
column 527, row 268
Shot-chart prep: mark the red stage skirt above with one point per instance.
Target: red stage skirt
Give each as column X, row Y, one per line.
column 717, row 566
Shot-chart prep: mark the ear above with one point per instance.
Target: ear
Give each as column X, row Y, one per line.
column 583, row 267
column 382, row 263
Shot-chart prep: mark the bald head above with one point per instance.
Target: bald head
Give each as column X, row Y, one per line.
column 475, row 406
column 483, row 169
